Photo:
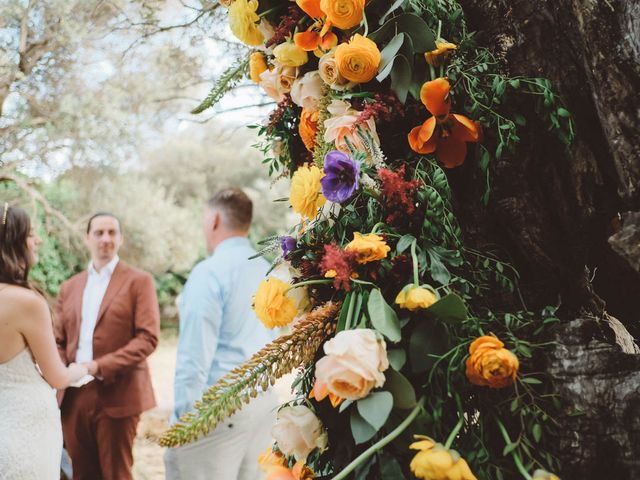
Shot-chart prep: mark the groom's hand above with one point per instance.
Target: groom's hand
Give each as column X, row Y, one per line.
column 92, row 367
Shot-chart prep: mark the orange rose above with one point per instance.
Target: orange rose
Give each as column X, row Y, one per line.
column 358, row 60
column 308, row 128
column 490, row 364
column 344, row 14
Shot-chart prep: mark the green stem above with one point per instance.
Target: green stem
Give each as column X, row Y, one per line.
column 454, row 432
column 364, row 282
column 366, row 24
column 310, row 282
column 352, row 304
column 381, row 443
column 514, row 454
column 439, row 29
column 414, row 258
column 375, row 227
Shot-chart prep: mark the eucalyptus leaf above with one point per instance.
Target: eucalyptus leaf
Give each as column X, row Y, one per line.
column 404, row 243
column 391, row 49
column 383, row 317
column 397, row 358
column 401, row 77
column 438, row 271
column 393, row 7
column 375, row 408
column 450, row 308
column 360, row 428
column 404, row 395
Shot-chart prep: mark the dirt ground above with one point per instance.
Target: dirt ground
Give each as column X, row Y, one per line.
column 147, row 454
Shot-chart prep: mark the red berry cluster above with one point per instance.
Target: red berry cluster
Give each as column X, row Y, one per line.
column 286, row 27
column 399, row 193
column 385, row 107
column 278, row 113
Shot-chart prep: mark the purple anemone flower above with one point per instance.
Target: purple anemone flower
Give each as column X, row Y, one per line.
column 287, row 244
column 341, row 176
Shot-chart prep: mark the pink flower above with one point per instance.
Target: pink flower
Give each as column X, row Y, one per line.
column 342, row 126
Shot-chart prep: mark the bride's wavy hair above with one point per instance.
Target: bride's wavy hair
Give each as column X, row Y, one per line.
column 15, row 259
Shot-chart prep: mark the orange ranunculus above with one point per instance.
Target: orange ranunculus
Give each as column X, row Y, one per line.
column 320, row 391
column 444, row 133
column 344, row 14
column 311, row 8
column 490, row 364
column 269, row 460
column 439, row 55
column 308, row 128
column 298, row 472
column 257, row 65
column 358, row 60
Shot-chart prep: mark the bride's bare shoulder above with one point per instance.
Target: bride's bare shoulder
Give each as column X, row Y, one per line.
column 20, row 298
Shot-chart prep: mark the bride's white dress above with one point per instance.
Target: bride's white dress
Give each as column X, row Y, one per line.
column 30, row 430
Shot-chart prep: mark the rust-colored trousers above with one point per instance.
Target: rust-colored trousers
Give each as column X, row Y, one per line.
column 100, row 447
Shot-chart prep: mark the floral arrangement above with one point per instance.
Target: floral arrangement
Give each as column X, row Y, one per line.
column 399, row 352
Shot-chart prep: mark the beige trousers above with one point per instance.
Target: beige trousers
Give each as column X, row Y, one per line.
column 231, row 450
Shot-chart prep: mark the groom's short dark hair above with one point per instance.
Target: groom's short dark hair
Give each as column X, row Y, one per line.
column 236, row 207
column 103, row 214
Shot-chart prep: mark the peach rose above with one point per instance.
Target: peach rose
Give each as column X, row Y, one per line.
column 286, row 77
column 490, row 364
column 359, row 59
column 306, row 91
column 344, row 14
column 269, row 82
column 329, row 73
column 353, row 365
column 341, row 126
column 298, row 431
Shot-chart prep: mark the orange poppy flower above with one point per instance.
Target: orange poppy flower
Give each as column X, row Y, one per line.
column 444, row 133
column 317, row 36
column 320, row 392
column 311, row 8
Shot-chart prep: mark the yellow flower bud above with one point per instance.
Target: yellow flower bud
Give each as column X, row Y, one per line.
column 290, row 55
column 413, row 298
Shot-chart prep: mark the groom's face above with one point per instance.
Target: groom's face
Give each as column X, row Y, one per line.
column 104, row 238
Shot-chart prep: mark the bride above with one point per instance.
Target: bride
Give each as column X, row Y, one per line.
column 30, row 431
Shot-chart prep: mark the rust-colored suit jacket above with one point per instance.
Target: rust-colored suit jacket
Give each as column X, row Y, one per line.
column 126, row 333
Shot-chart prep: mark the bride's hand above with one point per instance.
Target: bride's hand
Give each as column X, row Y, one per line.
column 77, row 371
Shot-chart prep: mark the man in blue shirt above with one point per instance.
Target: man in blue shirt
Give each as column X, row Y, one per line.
column 219, row 331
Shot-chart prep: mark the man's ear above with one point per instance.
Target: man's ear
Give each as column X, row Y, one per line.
column 215, row 223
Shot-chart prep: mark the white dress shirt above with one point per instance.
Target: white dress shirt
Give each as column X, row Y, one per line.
column 97, row 283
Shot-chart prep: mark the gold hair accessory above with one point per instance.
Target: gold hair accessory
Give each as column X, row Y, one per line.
column 4, row 215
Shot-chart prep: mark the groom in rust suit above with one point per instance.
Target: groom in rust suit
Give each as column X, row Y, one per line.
column 106, row 317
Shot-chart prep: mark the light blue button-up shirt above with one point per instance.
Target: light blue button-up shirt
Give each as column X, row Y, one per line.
column 218, row 327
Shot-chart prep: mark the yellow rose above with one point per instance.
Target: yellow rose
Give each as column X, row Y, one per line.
column 257, row 65
column 358, row 60
column 243, row 21
column 368, row 248
column 273, row 307
column 434, row 462
column 413, row 298
column 306, row 197
column 543, row 475
column 329, row 73
column 290, row 55
column 490, row 364
column 344, row 14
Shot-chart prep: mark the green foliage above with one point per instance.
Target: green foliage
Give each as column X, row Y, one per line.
column 227, row 81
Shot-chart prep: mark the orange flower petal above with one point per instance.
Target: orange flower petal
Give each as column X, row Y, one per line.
column 451, row 151
column 329, row 41
column 311, row 8
column 319, row 391
column 421, row 138
column 465, row 129
column 279, row 473
column 335, row 400
column 308, row 41
column 434, row 96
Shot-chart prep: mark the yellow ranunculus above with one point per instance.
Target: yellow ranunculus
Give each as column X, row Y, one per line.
column 434, row 462
column 413, row 298
column 490, row 364
column 544, row 475
column 368, row 248
column 257, row 65
column 243, row 21
column 290, row 55
column 306, row 196
column 344, row 14
column 273, row 307
column 358, row 60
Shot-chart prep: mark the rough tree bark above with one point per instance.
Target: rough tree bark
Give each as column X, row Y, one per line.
column 552, row 211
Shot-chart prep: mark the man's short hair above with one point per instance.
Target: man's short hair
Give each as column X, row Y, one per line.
column 103, row 214
column 235, row 206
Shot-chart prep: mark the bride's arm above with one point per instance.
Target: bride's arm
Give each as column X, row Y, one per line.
column 37, row 329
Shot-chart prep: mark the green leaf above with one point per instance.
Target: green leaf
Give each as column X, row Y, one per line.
column 397, row 358
column 390, row 468
column 401, row 77
column 360, row 428
column 438, row 271
column 450, row 308
column 413, row 25
column 563, row 112
column 509, row 448
column 537, row 432
column 383, row 317
column 404, row 395
column 429, row 337
column 532, row 380
column 404, row 243
column 375, row 408
column 388, row 55
column 393, row 7
column 343, row 313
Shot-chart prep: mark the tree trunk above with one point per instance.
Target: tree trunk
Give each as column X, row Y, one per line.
column 552, row 211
